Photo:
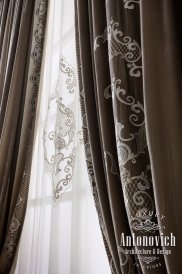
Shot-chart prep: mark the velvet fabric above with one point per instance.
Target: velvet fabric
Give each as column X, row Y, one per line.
column 22, row 28
column 129, row 64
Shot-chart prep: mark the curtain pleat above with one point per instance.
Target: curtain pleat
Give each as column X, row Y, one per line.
column 92, row 139
column 4, row 5
column 109, row 53
column 22, row 37
column 8, row 53
column 162, row 63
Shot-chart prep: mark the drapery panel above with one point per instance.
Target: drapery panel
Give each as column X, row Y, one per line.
column 22, row 27
column 162, row 93
column 115, row 98
column 61, row 232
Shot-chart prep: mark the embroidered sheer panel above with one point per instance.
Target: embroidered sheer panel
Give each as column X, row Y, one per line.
column 61, row 230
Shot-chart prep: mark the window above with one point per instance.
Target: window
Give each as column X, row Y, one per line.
column 61, row 233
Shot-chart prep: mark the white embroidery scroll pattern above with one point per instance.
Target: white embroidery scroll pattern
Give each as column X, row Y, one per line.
column 59, row 140
column 129, row 149
column 130, row 4
column 121, row 45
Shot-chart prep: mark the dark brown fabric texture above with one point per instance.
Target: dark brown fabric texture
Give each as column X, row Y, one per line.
column 162, row 61
column 120, row 90
column 22, row 28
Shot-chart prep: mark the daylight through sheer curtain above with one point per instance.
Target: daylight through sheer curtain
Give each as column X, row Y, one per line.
column 61, row 234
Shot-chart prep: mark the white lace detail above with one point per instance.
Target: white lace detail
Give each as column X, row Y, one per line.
column 61, row 137
column 69, row 71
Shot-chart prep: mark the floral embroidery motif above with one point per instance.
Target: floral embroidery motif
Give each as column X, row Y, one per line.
column 59, row 159
column 129, row 4
column 19, row 200
column 67, row 69
column 134, row 188
column 10, row 246
column 60, row 163
column 123, row 46
column 123, row 144
column 14, row 225
column 129, row 149
column 65, row 125
column 135, row 192
column 137, row 116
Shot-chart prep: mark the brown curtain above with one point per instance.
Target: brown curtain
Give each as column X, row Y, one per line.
column 162, row 61
column 22, row 28
column 128, row 63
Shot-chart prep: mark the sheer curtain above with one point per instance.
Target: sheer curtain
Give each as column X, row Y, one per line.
column 61, row 233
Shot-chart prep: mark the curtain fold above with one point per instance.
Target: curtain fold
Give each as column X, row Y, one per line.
column 9, row 41
column 128, row 56
column 162, row 92
column 21, row 41
column 61, row 232
column 116, row 89
column 87, row 84
column 3, row 12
